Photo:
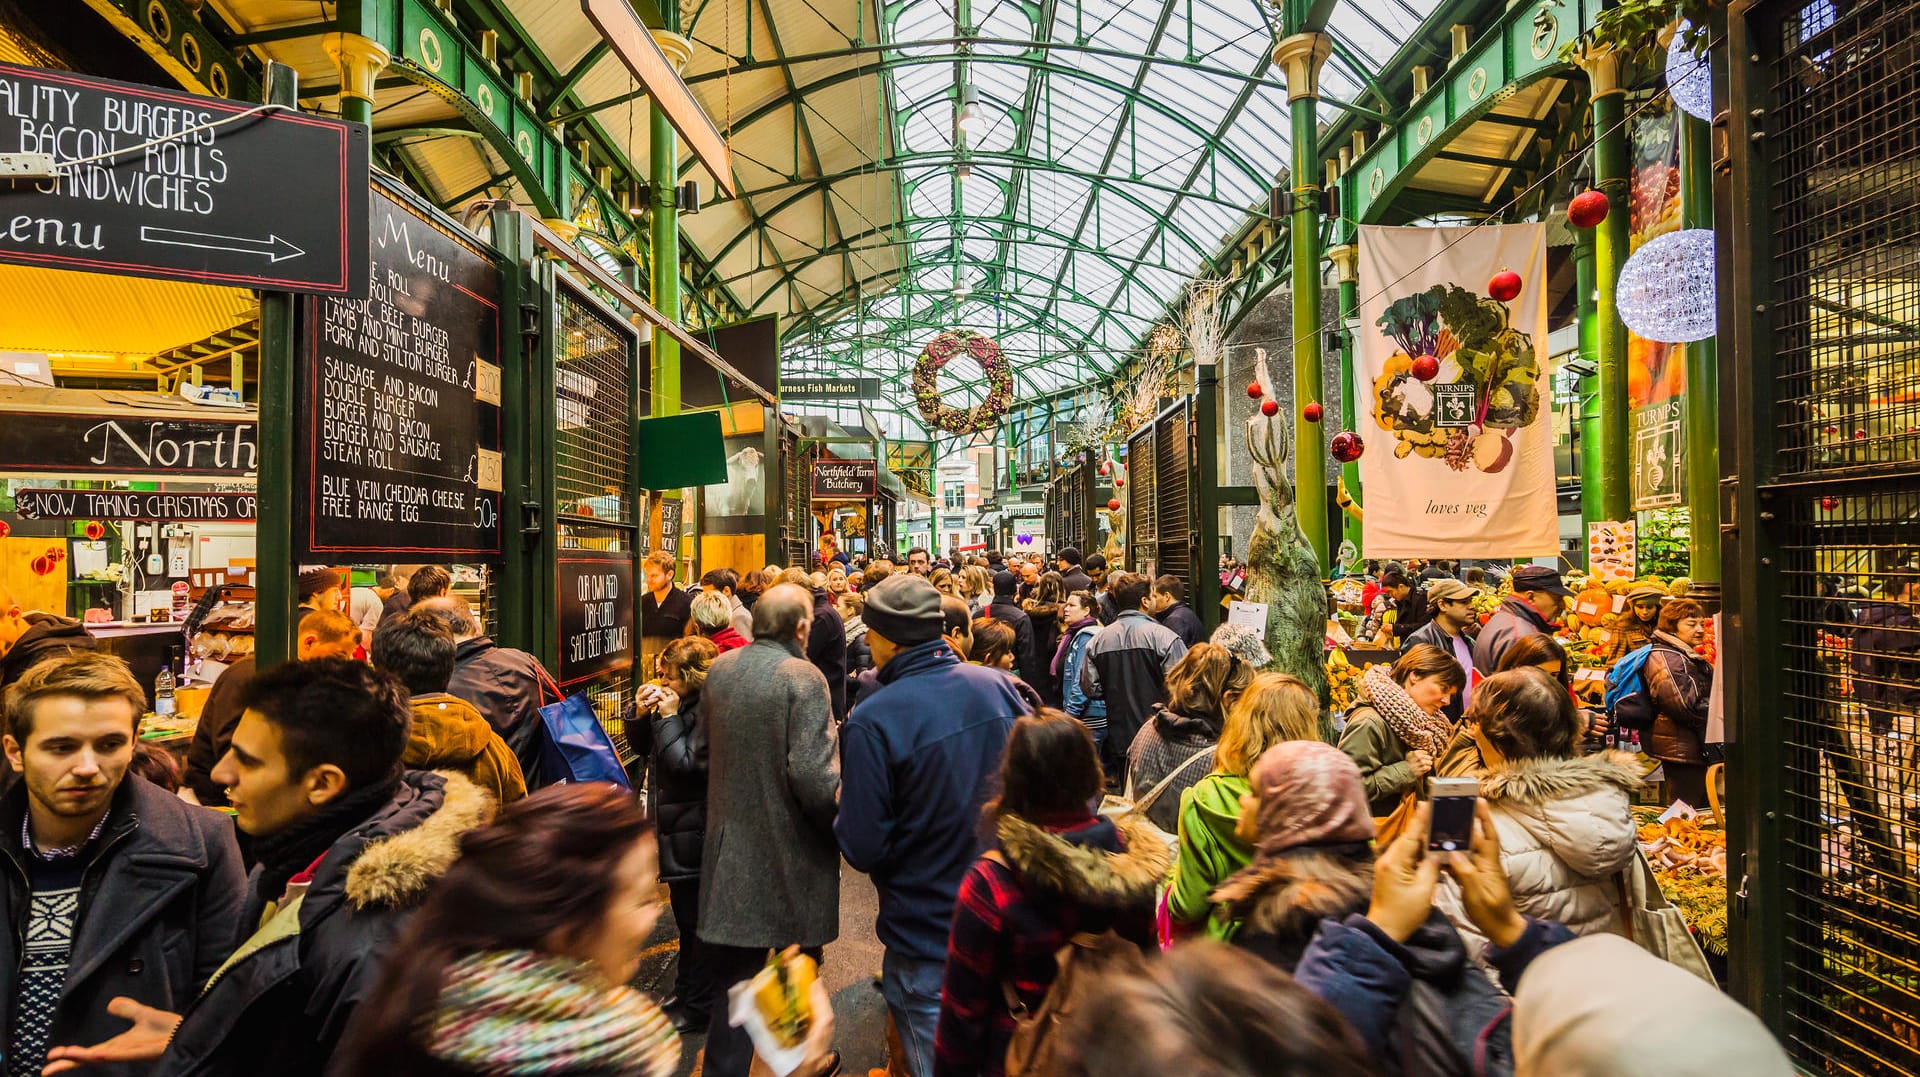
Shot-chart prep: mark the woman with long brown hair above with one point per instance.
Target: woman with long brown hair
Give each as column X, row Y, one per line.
column 1399, row 729
column 1180, row 736
column 1045, row 607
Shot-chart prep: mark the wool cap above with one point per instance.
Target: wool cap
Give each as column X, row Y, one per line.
column 905, row 609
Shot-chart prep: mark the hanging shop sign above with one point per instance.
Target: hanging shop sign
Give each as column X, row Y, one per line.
column 134, row 505
column 402, row 436
column 44, row 443
column 157, row 183
column 1656, row 371
column 595, row 614
column 830, row 388
column 1457, row 380
column 840, row 479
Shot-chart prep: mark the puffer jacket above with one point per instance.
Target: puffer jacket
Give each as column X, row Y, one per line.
column 449, row 733
column 1278, row 906
column 1566, row 833
column 1167, row 743
column 675, row 748
column 1680, row 683
column 1210, row 851
column 1051, row 882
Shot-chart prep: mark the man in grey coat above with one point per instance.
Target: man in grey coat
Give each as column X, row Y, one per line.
column 770, row 876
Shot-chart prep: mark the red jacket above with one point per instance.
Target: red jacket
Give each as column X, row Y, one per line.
column 727, row 639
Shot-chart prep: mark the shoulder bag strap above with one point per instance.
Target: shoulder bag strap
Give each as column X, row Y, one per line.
column 1012, row 998
column 1144, row 803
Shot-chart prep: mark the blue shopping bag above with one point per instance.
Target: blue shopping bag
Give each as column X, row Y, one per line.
column 577, row 747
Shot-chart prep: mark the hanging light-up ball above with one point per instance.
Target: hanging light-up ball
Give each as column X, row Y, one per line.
column 1666, row 290
column 1588, row 209
column 1254, row 390
column 1689, row 78
column 1312, row 412
column 1347, row 446
column 1505, row 286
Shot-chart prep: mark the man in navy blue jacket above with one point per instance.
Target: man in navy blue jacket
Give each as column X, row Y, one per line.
column 921, row 754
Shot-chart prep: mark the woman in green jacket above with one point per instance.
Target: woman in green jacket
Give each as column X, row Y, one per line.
column 1398, row 731
column 1276, row 707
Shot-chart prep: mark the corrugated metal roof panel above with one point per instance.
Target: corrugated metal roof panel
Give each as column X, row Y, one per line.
column 57, row 310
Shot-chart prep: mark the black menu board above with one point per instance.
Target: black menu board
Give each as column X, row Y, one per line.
column 596, row 614
column 402, row 393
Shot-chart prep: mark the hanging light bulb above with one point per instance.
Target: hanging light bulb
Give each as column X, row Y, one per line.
column 970, row 121
column 963, row 170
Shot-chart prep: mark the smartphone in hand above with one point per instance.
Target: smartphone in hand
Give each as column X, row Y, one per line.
column 1452, row 819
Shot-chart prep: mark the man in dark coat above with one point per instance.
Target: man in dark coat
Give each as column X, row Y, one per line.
column 1452, row 603
column 1127, row 666
column 771, row 778
column 507, row 686
column 1169, row 606
column 29, row 638
column 1072, row 576
column 922, row 754
column 827, row 649
column 1538, row 597
column 348, row 844
column 113, row 887
column 1007, row 611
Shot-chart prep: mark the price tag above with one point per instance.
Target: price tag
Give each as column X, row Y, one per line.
column 486, row 384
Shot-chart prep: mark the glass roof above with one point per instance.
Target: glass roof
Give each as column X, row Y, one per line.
column 1121, row 144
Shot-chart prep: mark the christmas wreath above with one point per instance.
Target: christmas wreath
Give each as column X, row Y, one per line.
column 926, row 377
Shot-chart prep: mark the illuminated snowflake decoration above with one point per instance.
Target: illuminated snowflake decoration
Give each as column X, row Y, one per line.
column 1689, row 78
column 1666, row 290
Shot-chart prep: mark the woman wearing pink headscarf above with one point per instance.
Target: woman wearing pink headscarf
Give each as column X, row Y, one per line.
column 1312, row 838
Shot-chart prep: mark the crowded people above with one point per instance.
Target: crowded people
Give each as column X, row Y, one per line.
column 29, row 637
column 427, row 581
column 447, row 732
column 506, row 685
column 1633, row 627
column 1680, row 684
column 772, row 777
column 1044, row 605
column 118, row 890
column 921, row 753
column 993, row 645
column 1451, row 603
column 1070, row 663
column 1101, row 578
column 1399, row 729
column 664, row 608
column 711, row 614
column 726, row 581
column 1274, row 709
column 1072, row 577
column 1126, row 666
column 919, row 561
column 1178, row 741
column 826, row 640
column 1538, row 598
column 852, row 610
column 1004, row 607
column 1168, row 605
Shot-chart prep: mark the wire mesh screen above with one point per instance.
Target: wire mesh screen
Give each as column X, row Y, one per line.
column 1141, row 532
column 593, row 409
column 1173, row 485
column 796, row 502
column 1843, row 148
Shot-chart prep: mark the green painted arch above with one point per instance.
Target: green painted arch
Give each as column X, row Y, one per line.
column 489, row 132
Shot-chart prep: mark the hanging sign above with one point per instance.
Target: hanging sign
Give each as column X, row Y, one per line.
column 841, row 479
column 1451, row 390
column 134, row 505
column 158, row 183
column 127, row 444
column 830, row 389
column 1611, row 549
column 596, row 601
column 402, row 433
column 1656, row 372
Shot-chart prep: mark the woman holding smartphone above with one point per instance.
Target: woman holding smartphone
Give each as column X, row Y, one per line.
column 1565, row 828
column 1399, row 729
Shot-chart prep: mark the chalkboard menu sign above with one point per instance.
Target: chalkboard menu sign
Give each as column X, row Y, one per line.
column 596, row 614
column 402, row 428
column 134, row 505
column 837, row 479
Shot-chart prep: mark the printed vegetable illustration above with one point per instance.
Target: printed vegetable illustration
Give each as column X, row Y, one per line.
column 1476, row 350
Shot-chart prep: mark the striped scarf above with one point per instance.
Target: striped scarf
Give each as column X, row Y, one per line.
column 517, row 1013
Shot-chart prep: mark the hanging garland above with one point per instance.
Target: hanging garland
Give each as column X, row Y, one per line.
column 926, row 382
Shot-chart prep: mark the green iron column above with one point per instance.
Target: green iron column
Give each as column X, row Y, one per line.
column 358, row 56
column 663, row 176
column 1610, row 165
column 1301, row 56
column 279, row 441
column 1346, row 260
column 1592, row 505
column 1703, row 366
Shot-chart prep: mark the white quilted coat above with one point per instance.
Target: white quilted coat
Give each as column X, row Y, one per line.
column 1565, row 835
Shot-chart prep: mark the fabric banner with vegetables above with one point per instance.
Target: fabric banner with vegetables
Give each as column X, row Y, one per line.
column 1453, row 393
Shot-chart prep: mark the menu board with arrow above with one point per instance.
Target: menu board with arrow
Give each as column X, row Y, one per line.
column 402, row 431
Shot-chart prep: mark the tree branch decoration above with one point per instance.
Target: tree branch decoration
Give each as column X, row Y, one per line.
column 1139, row 399
column 941, row 350
column 1282, row 570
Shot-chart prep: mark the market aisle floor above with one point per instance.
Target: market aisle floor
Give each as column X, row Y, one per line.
column 860, row 1014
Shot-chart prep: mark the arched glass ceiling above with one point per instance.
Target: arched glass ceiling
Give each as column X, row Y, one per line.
column 1122, row 143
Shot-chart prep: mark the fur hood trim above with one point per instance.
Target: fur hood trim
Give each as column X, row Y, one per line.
column 1293, row 893
column 1542, row 781
column 1085, row 874
column 395, row 872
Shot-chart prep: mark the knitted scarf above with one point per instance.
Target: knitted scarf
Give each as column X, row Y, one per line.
column 1416, row 728
column 1066, row 642
column 289, row 852
column 517, row 1013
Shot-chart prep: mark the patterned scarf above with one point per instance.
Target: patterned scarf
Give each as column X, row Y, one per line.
column 1416, row 728
column 516, row 1013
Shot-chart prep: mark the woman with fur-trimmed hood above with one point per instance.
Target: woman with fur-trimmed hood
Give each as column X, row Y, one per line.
column 1566, row 830
column 1056, row 870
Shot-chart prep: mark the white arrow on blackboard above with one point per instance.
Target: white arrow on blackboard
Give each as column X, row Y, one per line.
column 273, row 247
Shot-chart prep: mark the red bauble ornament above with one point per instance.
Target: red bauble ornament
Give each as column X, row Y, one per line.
column 1426, row 368
column 1254, row 390
column 5, row 529
column 95, row 530
column 1859, row 435
column 41, row 566
column 1505, row 286
column 1312, row 412
column 1113, row 504
column 1347, row 446
column 1119, row 482
column 1829, row 503
column 1269, row 407
column 1587, row 209
column 1833, row 430
column 1104, row 469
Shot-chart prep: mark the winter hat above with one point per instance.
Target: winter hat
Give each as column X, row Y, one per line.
column 905, row 609
column 1005, row 584
column 1244, row 642
column 1311, row 793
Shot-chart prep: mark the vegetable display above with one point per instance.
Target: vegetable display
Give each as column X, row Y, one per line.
column 1478, row 353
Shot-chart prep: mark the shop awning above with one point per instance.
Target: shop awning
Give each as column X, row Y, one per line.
column 97, row 314
column 84, row 433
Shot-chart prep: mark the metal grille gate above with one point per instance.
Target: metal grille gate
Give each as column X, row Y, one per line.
column 1161, row 512
column 1825, row 670
column 796, row 501
column 1070, row 506
column 594, row 504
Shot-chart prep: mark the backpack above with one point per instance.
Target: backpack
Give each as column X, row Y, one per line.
column 1629, row 703
column 1453, row 1022
column 1084, row 962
